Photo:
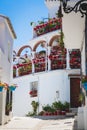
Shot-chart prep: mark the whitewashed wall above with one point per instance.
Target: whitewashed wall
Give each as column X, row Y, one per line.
column 48, row 84
column 5, row 72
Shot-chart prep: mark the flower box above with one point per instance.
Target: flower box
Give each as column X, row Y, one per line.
column 49, row 26
column 33, row 93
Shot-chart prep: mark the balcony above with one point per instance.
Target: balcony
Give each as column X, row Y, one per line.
column 56, row 60
column 46, row 27
column 22, row 69
column 75, row 59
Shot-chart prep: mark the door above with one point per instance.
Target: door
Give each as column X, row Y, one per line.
column 74, row 92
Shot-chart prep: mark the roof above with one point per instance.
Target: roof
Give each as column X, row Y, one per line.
column 10, row 25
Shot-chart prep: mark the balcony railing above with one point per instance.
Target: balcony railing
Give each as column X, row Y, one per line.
column 55, row 61
column 58, row 58
column 75, row 59
column 45, row 27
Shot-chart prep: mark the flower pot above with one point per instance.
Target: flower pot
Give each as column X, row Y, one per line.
column 12, row 88
column 1, row 88
column 85, row 85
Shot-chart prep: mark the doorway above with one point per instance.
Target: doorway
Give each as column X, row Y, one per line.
column 74, row 92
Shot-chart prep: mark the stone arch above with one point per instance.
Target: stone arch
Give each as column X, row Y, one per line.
column 39, row 42
column 52, row 39
column 22, row 48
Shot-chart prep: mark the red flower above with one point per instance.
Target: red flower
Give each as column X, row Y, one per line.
column 30, row 92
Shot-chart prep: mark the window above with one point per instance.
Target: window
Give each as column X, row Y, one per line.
column 33, row 89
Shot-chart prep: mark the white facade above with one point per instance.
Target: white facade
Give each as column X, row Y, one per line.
column 50, row 82
column 6, row 47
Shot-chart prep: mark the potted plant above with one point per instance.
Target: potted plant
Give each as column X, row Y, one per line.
column 35, row 105
column 3, row 85
column 12, row 87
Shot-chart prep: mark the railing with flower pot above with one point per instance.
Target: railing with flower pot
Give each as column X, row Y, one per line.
column 39, row 64
column 33, row 93
column 23, row 69
column 75, row 59
column 51, row 25
column 58, row 58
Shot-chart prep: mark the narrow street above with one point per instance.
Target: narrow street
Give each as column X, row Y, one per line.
column 29, row 123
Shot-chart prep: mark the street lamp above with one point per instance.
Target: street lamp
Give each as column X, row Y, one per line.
column 80, row 6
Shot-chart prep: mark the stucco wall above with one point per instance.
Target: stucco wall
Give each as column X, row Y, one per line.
column 5, row 72
column 48, row 84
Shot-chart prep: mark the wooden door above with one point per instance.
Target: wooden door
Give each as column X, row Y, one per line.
column 74, row 92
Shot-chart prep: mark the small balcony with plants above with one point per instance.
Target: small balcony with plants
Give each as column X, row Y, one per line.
column 48, row 26
column 39, row 61
column 75, row 59
column 24, row 69
column 58, row 58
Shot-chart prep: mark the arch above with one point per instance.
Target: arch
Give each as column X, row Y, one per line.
column 22, row 48
column 52, row 39
column 39, row 42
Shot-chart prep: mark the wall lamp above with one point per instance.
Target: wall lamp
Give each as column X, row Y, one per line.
column 80, row 6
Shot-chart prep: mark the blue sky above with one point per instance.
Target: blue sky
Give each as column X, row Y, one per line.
column 21, row 13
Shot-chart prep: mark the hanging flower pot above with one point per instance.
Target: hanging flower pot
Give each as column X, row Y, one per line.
column 12, row 87
column 85, row 86
column 1, row 88
column 3, row 85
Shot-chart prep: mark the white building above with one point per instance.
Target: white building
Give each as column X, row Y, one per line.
column 54, row 76
column 7, row 36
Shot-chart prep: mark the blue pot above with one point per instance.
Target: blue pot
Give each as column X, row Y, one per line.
column 85, row 86
column 12, row 88
column 1, row 88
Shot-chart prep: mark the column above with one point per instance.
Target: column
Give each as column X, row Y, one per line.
column 49, row 61
column 67, row 60
column 32, row 57
column 17, row 74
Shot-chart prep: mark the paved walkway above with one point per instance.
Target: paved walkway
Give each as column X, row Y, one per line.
column 29, row 123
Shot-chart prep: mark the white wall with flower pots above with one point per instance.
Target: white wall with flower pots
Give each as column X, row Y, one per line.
column 6, row 47
column 49, row 83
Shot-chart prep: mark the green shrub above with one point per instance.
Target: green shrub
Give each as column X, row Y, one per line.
column 57, row 105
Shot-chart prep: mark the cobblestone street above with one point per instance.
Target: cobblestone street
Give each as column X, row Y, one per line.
column 29, row 123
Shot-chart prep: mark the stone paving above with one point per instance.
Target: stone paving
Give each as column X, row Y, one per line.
column 29, row 123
